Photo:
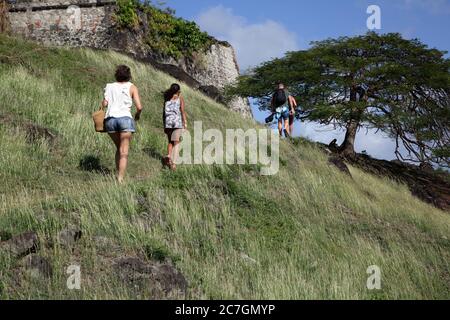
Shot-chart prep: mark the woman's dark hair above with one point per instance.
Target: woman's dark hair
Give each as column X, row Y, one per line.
column 123, row 74
column 168, row 94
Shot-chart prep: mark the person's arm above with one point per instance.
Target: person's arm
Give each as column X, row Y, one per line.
column 137, row 102
column 105, row 97
column 183, row 112
column 293, row 104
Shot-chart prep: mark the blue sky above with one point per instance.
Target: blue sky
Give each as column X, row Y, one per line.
column 254, row 28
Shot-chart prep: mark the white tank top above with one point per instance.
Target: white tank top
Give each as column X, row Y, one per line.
column 119, row 100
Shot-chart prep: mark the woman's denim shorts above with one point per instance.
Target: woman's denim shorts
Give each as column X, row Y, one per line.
column 123, row 124
column 283, row 114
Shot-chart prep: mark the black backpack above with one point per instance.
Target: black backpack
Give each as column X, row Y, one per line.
column 280, row 98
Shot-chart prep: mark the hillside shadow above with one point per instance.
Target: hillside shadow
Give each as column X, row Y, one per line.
column 91, row 163
column 427, row 185
column 153, row 153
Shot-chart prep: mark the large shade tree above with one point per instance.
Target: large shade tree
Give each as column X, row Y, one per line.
column 398, row 86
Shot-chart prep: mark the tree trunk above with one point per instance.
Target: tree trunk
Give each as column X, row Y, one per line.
column 347, row 148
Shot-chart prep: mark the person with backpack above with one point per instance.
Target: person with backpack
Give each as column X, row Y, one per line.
column 119, row 122
column 283, row 106
column 175, row 121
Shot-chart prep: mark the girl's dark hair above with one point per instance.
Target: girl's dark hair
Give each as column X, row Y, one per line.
column 123, row 74
column 168, row 94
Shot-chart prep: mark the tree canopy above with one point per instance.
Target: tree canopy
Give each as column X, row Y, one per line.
column 398, row 86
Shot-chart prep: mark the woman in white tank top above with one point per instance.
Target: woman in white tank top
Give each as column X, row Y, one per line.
column 120, row 101
column 119, row 122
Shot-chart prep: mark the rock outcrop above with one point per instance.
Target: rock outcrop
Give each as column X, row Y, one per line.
column 161, row 280
column 21, row 245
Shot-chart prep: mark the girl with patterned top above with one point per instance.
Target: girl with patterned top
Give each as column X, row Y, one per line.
column 174, row 122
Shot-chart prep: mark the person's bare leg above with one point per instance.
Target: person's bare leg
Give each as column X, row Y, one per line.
column 125, row 138
column 168, row 160
column 116, row 139
column 280, row 127
column 169, row 150
column 176, row 147
column 291, row 125
column 286, row 127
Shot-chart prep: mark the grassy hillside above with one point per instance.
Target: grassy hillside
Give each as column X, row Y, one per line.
column 309, row 232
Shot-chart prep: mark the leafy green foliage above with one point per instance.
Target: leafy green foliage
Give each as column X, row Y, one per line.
column 126, row 14
column 167, row 34
column 174, row 36
column 377, row 81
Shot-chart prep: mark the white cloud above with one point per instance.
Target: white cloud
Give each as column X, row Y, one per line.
column 254, row 43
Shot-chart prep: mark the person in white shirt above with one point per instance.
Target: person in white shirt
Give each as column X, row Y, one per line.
column 119, row 123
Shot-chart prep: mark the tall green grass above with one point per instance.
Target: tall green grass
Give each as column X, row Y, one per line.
column 309, row 232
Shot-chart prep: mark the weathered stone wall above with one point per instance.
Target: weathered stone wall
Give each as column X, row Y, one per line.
column 60, row 23
column 90, row 23
column 220, row 65
column 218, row 68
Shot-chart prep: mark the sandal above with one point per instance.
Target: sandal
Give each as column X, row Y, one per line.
column 172, row 165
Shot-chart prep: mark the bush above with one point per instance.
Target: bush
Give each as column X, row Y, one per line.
column 174, row 36
column 126, row 14
column 168, row 35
